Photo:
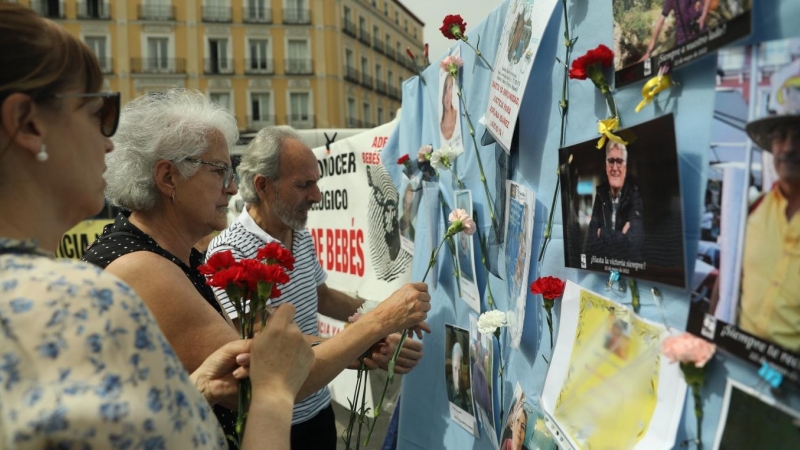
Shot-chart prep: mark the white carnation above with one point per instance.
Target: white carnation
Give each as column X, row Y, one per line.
column 490, row 321
column 443, row 158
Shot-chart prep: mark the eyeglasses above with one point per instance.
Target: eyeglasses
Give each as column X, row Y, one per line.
column 109, row 113
column 227, row 178
column 617, row 161
column 781, row 132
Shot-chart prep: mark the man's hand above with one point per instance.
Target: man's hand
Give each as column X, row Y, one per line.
column 408, row 358
column 405, row 308
column 626, row 228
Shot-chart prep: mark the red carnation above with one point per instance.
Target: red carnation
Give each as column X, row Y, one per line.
column 275, row 253
column 549, row 288
column 402, row 160
column 591, row 66
column 453, row 26
column 233, row 275
column 217, row 261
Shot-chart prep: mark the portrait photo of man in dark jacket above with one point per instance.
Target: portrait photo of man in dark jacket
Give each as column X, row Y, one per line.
column 616, row 229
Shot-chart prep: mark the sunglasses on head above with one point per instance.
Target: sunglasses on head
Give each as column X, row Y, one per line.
column 109, row 113
column 617, row 161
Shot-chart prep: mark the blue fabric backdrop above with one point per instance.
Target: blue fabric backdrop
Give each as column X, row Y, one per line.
column 424, row 414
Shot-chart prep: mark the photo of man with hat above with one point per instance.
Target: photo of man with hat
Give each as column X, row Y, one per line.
column 770, row 293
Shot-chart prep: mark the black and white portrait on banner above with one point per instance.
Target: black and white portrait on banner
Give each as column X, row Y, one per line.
column 622, row 205
column 383, row 237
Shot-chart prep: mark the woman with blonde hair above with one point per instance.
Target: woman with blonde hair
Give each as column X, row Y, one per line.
column 83, row 363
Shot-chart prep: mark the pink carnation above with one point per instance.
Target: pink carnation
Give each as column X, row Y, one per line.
column 449, row 61
column 467, row 224
column 424, row 152
column 354, row 317
column 687, row 348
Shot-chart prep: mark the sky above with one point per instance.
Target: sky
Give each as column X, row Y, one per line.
column 433, row 11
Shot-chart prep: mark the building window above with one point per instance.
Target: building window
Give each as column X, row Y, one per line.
column 397, row 17
column 348, row 14
column 352, row 121
column 300, row 110
column 367, row 115
column 93, row 9
column 259, row 61
column 375, row 3
column 348, row 58
column 157, row 10
column 378, row 72
column 388, row 42
column 298, row 62
column 364, row 65
column 223, row 99
column 98, row 46
column 399, row 52
column 218, row 62
column 415, row 32
column 406, row 25
column 157, row 56
column 257, row 11
column 380, row 116
column 386, row 8
column 260, row 111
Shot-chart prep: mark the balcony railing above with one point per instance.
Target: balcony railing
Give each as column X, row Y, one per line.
column 354, row 123
column 377, row 44
column 366, row 81
column 256, row 15
column 217, row 14
column 390, row 54
column 49, row 9
column 259, row 66
column 256, row 123
column 106, row 65
column 394, row 93
column 349, row 28
column 94, row 10
column 158, row 65
column 299, row 67
column 295, row 16
column 363, row 36
column 351, row 74
column 217, row 66
column 380, row 87
column 300, row 121
column 156, row 12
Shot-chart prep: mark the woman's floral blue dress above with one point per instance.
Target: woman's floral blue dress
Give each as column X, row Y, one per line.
column 84, row 365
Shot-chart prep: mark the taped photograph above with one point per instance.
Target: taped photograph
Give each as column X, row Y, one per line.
column 650, row 34
column 622, row 205
column 457, row 377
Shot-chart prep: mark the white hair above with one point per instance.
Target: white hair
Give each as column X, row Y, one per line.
column 621, row 147
column 262, row 157
column 173, row 126
column 457, row 351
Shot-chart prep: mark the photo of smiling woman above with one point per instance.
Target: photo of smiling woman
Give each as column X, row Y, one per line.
column 622, row 204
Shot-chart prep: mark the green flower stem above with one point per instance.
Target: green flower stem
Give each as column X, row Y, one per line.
column 548, row 307
column 489, row 202
column 563, row 104
column 611, row 103
column 403, row 336
column 698, row 412
column 477, row 52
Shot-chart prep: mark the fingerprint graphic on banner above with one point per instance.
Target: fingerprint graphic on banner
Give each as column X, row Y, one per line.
column 383, row 235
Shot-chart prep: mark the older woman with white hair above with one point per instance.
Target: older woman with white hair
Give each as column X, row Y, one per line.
column 171, row 172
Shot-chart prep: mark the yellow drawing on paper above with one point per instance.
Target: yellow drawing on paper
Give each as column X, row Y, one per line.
column 609, row 394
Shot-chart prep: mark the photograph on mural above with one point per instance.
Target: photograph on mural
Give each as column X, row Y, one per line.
column 481, row 354
column 751, row 420
column 748, row 264
column 649, row 34
column 388, row 256
column 411, row 190
column 523, row 28
column 457, row 374
column 520, row 203
column 622, row 205
column 466, row 256
column 608, row 385
column 433, row 213
column 524, row 427
column 450, row 110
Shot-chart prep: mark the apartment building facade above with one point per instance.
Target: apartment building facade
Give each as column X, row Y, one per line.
column 305, row 63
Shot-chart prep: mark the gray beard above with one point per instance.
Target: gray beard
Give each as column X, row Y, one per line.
column 286, row 215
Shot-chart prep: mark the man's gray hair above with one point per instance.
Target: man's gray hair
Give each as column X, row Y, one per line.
column 173, row 126
column 262, row 157
column 457, row 350
column 621, row 147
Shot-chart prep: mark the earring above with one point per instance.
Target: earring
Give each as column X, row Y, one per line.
column 42, row 155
